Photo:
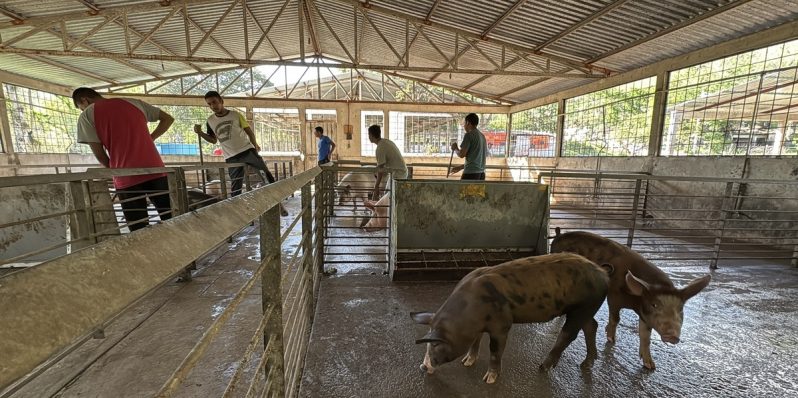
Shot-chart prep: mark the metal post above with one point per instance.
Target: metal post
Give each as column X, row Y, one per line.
column 318, row 208
column 272, row 296
column 307, row 243
column 559, row 128
column 6, row 142
column 80, row 221
column 635, row 205
column 175, row 198
column 329, row 199
column 658, row 115
column 276, row 172
column 723, row 214
column 284, row 171
column 223, row 182
column 179, row 200
column 246, row 179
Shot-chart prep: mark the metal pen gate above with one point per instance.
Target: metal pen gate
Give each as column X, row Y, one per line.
column 356, row 239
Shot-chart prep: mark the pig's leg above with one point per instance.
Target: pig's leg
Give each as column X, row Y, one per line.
column 497, row 343
column 574, row 321
column 473, row 352
column 645, row 344
column 590, row 329
column 612, row 325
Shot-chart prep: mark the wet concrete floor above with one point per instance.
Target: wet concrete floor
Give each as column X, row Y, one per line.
column 739, row 339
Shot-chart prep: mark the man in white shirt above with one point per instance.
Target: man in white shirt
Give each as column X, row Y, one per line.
column 389, row 159
column 237, row 140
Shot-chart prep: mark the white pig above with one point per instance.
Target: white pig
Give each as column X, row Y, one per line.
column 354, row 186
column 379, row 216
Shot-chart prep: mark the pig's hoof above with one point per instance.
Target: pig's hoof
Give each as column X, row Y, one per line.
column 468, row 360
column 491, row 376
column 649, row 364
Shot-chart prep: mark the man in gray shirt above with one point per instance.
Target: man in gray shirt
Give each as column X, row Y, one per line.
column 389, row 158
column 473, row 149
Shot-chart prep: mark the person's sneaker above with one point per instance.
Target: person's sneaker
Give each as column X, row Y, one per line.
column 283, row 211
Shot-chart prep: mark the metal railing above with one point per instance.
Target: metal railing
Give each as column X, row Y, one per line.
column 706, row 220
column 355, row 236
column 289, row 286
column 76, row 210
column 713, row 219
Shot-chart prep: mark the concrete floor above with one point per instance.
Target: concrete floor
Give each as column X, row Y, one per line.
column 739, row 340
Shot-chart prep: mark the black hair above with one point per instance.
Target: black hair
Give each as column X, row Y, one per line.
column 84, row 92
column 375, row 131
column 319, row 129
column 213, row 94
column 472, row 119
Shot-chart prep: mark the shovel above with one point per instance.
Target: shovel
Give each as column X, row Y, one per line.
column 449, row 169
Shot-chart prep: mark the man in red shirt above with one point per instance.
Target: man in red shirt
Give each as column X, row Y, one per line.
column 117, row 132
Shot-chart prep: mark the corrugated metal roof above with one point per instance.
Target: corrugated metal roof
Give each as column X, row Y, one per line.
column 575, row 30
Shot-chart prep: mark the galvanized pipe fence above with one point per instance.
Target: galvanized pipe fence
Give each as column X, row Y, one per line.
column 356, row 237
column 83, row 208
column 271, row 365
column 681, row 220
column 668, row 219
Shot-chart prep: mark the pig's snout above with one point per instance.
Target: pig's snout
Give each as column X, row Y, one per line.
column 670, row 338
column 427, row 365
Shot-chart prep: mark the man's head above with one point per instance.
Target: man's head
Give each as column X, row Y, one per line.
column 318, row 131
column 471, row 121
column 374, row 133
column 83, row 97
column 214, row 101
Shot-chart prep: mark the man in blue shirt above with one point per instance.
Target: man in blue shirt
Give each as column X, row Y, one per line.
column 473, row 149
column 326, row 145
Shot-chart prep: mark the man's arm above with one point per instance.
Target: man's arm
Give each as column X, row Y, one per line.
column 252, row 139
column 99, row 152
column 460, row 151
column 332, row 146
column 376, row 194
column 165, row 121
column 207, row 137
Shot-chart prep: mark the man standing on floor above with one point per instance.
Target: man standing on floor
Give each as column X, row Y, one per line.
column 237, row 140
column 116, row 131
column 388, row 159
column 326, row 145
column 473, row 148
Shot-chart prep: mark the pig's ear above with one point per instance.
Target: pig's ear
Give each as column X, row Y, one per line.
column 636, row 285
column 695, row 286
column 432, row 337
column 423, row 318
column 608, row 268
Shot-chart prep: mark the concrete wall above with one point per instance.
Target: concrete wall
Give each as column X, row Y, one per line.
column 22, row 203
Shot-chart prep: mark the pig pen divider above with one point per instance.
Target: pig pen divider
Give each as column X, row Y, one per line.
column 104, row 287
column 681, row 220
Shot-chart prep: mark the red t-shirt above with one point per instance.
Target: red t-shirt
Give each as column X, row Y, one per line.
column 121, row 127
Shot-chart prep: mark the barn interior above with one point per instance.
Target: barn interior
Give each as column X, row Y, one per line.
column 667, row 126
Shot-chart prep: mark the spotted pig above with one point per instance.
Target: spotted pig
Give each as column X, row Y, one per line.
column 532, row 289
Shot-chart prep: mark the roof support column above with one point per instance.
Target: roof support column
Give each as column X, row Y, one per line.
column 559, row 128
column 658, row 118
column 5, row 126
